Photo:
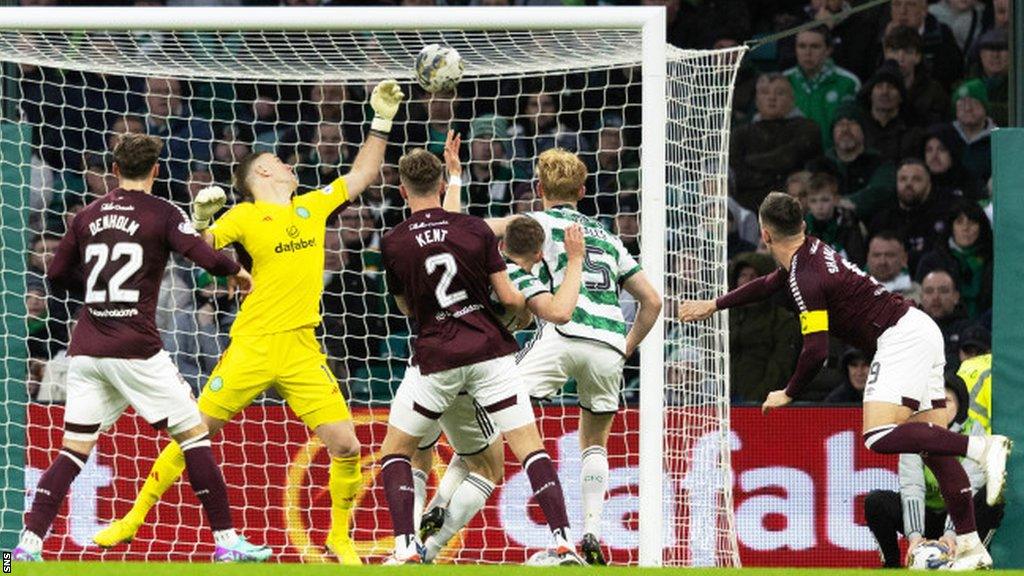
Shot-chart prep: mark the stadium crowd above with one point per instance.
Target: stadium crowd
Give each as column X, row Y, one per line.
column 879, row 123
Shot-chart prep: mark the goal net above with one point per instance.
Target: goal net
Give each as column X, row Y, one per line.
column 223, row 84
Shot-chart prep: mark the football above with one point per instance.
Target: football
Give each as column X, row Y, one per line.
column 545, row 557
column 930, row 555
column 438, row 68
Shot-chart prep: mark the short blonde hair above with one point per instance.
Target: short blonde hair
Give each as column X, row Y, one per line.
column 561, row 174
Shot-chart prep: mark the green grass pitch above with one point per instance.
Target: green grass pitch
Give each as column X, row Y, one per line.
column 179, row 569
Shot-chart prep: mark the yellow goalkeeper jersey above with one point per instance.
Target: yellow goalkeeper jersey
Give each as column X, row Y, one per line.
column 286, row 243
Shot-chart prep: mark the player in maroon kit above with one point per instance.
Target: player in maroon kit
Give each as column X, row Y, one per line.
column 905, row 389
column 118, row 246
column 441, row 267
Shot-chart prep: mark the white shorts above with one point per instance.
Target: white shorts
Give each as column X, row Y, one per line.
column 465, row 424
column 908, row 366
column 99, row 390
column 422, row 400
column 550, row 359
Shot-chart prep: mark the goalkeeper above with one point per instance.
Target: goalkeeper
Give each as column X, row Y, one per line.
column 272, row 340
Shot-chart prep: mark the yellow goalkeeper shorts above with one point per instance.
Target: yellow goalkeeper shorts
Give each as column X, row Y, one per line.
column 292, row 362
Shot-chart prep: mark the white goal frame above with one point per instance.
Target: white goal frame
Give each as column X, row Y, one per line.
column 650, row 21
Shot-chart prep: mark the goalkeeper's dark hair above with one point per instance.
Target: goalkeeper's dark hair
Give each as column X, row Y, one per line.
column 420, row 172
column 136, row 154
column 524, row 236
column 240, row 177
column 782, row 214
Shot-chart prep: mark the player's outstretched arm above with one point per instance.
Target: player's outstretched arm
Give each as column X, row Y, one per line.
column 385, row 99
column 650, row 308
column 205, row 206
column 756, row 290
column 812, row 358
column 559, row 308
column 453, row 192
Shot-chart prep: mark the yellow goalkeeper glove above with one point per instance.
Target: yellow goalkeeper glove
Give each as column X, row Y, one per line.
column 384, row 100
column 205, row 205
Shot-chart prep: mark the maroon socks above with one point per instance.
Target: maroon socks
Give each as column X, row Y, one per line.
column 547, row 490
column 396, row 472
column 51, row 490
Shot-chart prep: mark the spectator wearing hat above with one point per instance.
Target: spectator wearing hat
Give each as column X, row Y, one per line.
column 976, row 372
column 867, row 181
column 819, row 86
column 989, row 61
column 855, row 366
column 942, row 150
column 927, row 102
column 885, row 127
column 887, row 263
column 972, row 124
column 764, row 338
column 918, row 217
column 964, row 18
column 490, row 174
column 966, row 253
column 778, row 141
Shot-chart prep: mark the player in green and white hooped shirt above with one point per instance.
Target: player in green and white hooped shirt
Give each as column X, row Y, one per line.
column 592, row 347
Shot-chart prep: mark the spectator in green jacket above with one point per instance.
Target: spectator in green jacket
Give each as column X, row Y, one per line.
column 820, row 87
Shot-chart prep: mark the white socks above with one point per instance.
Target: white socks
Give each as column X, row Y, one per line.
column 594, row 484
column 30, row 542
column 966, row 542
column 225, row 538
column 449, row 483
column 419, row 485
column 976, row 448
column 468, row 499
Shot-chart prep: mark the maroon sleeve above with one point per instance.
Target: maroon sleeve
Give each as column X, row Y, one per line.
column 65, row 269
column 754, row 291
column 495, row 263
column 184, row 240
column 811, row 360
column 394, row 283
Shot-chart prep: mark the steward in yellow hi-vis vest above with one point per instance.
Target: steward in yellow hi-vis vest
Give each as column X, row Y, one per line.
column 976, row 370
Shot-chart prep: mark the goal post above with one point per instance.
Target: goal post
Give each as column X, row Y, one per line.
column 623, row 98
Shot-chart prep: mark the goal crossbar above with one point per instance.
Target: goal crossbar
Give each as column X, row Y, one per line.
column 328, row 18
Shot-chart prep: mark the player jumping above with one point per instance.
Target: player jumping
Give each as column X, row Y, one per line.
column 905, row 390
column 272, row 340
column 120, row 244
column 593, row 345
column 441, row 267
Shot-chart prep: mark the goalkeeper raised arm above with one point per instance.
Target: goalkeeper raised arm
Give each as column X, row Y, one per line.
column 272, row 339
